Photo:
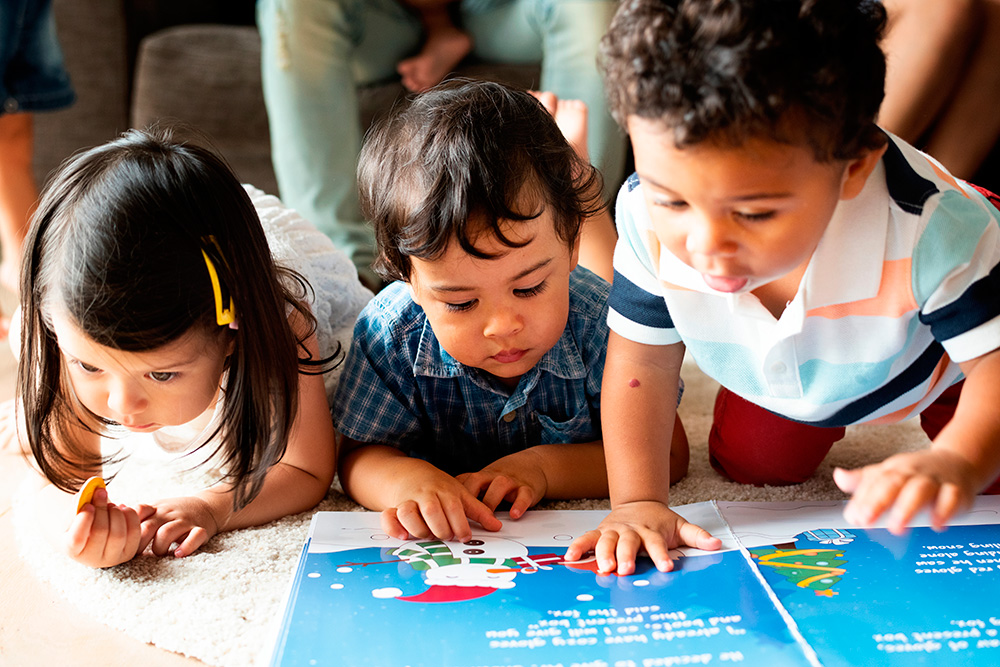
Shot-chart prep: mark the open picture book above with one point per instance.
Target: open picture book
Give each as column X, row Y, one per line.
column 792, row 585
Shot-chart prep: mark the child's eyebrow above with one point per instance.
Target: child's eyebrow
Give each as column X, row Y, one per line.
column 521, row 274
column 740, row 198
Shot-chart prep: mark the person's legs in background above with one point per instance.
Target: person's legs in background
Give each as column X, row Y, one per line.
column 32, row 79
column 942, row 79
column 564, row 36
column 315, row 54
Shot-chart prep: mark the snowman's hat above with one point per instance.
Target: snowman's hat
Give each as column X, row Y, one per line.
column 449, row 594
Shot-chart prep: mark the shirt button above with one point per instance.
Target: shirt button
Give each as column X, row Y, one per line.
column 10, row 105
column 779, row 368
column 510, row 416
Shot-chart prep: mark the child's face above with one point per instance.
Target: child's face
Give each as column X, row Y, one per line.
column 503, row 314
column 741, row 216
column 143, row 391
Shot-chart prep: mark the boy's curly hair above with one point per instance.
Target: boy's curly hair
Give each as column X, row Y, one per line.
column 725, row 70
column 455, row 163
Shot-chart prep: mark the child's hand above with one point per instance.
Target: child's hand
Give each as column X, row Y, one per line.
column 187, row 522
column 632, row 525
column 904, row 484
column 436, row 505
column 517, row 478
column 104, row 534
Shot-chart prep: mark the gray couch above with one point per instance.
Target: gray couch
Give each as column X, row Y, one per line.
column 135, row 63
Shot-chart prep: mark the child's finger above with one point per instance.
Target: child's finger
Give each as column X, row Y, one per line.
column 847, row 480
column 499, row 488
column 605, row 550
column 412, row 520
column 523, row 501
column 481, row 514
column 628, row 546
column 916, row 494
column 874, row 496
column 949, row 502
column 582, row 545
column 697, row 537
column 194, row 541
column 659, row 554
column 391, row 525
column 78, row 533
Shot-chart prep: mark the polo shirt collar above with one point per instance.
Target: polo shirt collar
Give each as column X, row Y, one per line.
column 847, row 264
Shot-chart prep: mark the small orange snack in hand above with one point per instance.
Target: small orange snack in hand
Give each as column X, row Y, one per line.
column 86, row 494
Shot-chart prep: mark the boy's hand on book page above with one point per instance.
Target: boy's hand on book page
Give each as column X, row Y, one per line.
column 103, row 534
column 618, row 538
column 514, row 478
column 187, row 522
column 937, row 479
column 436, row 505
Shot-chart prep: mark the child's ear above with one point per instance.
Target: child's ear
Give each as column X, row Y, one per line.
column 574, row 255
column 858, row 170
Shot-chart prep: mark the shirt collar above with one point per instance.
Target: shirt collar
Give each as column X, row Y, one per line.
column 853, row 245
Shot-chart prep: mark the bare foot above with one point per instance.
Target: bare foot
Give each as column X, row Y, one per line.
column 443, row 50
column 571, row 117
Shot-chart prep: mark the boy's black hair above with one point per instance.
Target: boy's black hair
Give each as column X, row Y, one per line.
column 727, row 70
column 457, row 162
column 116, row 244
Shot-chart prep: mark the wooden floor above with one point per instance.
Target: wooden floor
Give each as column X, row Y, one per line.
column 37, row 628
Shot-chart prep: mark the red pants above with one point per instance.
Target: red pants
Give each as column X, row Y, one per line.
column 750, row 445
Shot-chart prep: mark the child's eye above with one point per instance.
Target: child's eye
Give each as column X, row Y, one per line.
column 162, row 376
column 531, row 291
column 672, row 204
column 86, row 368
column 460, row 307
column 758, row 216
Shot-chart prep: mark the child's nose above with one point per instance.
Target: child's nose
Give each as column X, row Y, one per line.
column 708, row 236
column 502, row 322
column 124, row 398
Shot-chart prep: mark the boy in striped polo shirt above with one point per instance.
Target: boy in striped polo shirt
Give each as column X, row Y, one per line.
column 823, row 271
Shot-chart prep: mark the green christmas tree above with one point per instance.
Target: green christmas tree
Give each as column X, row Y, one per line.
column 816, row 569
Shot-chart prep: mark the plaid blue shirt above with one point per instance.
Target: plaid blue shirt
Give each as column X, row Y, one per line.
column 400, row 388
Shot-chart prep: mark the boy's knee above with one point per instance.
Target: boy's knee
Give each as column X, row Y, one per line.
column 15, row 137
column 750, row 445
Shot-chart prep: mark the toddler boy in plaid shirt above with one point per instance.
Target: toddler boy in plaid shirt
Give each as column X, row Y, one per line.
column 476, row 378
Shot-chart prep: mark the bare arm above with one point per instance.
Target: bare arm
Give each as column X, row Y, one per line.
column 638, row 407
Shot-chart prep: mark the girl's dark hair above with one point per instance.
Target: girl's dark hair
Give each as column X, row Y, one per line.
column 726, row 70
column 456, row 163
column 116, row 243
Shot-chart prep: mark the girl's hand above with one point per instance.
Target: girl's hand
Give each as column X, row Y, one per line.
column 904, row 484
column 187, row 522
column 517, row 478
column 435, row 504
column 103, row 534
column 617, row 540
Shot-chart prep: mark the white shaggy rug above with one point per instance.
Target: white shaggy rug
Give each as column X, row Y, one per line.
column 222, row 604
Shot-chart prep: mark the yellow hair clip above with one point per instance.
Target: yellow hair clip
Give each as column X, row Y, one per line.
column 223, row 316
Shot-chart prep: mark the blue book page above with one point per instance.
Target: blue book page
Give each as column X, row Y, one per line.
column 508, row 598
column 865, row 597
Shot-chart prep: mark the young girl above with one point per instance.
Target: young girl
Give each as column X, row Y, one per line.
column 151, row 302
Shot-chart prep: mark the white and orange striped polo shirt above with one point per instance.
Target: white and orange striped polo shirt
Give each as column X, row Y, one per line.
column 903, row 285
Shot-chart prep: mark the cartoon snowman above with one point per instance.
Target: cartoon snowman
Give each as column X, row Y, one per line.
column 454, row 571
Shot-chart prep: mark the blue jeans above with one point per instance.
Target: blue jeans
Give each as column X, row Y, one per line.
column 32, row 76
column 317, row 52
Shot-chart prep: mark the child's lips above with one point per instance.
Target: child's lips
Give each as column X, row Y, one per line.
column 723, row 284
column 509, row 356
